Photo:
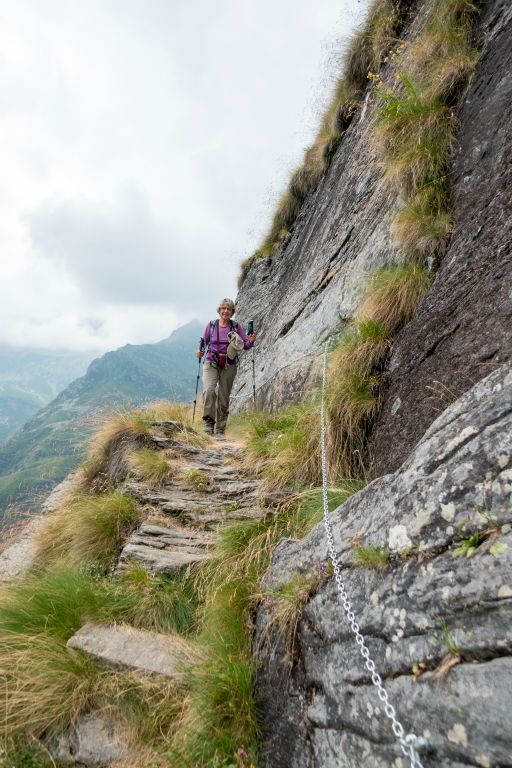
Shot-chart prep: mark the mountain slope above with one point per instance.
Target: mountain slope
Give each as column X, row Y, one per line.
column 51, row 443
column 30, row 379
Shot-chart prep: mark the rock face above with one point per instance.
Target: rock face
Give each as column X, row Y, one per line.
column 463, row 327
column 433, row 607
column 313, row 284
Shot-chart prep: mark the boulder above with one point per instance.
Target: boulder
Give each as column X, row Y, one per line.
column 121, row 646
column 436, row 621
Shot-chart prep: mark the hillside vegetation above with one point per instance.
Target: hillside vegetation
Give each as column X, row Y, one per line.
column 52, row 442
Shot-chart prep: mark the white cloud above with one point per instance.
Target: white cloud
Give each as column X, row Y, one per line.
column 139, row 142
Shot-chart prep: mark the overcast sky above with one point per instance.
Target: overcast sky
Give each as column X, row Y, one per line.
column 142, row 146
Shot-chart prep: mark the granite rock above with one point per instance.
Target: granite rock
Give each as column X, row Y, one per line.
column 432, row 608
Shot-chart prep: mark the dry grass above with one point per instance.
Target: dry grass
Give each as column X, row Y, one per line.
column 150, row 465
column 367, row 49
column 285, row 604
column 393, row 294
column 415, row 123
column 46, row 686
column 88, row 530
column 352, row 396
column 422, row 229
column 128, row 430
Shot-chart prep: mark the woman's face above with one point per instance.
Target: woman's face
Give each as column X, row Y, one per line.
column 225, row 312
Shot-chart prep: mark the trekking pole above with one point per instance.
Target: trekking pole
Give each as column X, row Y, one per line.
column 201, row 347
column 253, row 380
column 250, row 331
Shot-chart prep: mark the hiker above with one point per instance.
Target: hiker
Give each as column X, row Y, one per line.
column 223, row 339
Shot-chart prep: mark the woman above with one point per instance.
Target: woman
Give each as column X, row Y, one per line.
column 220, row 366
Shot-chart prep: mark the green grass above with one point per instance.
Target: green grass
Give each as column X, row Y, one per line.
column 285, row 604
column 376, row 558
column 88, row 530
column 196, row 478
column 126, row 432
column 158, row 603
column 150, row 465
column 220, row 717
column 47, row 686
column 415, row 123
column 352, row 396
column 285, row 446
column 24, row 753
column 244, row 549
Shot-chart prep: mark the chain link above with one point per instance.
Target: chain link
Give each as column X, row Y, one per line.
column 408, row 742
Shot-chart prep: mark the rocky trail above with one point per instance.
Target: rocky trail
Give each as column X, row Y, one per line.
column 208, row 487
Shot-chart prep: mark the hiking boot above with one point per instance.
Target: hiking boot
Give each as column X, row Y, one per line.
column 208, row 425
column 219, row 434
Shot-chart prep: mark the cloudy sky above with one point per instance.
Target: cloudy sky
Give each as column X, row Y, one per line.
column 142, row 146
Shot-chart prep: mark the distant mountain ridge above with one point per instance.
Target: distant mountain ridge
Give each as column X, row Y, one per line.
column 31, row 378
column 51, row 443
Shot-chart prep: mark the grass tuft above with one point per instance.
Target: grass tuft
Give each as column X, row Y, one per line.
column 415, row 122
column 393, row 294
column 376, row 558
column 284, row 445
column 285, row 604
column 150, row 465
column 128, row 430
column 196, row 478
column 154, row 602
column 353, row 394
column 365, row 52
column 88, row 530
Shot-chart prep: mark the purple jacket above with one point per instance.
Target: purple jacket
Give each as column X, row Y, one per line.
column 220, row 346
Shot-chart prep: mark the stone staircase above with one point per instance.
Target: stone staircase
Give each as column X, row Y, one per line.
column 179, row 529
column 182, row 519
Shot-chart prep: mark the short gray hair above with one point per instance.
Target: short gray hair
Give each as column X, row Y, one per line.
column 227, row 303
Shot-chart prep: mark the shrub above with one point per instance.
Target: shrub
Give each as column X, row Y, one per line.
column 88, row 530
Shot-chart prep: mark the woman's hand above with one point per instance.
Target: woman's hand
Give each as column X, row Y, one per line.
column 252, row 337
column 199, row 353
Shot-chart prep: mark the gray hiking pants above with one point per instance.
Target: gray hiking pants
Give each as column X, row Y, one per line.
column 217, row 385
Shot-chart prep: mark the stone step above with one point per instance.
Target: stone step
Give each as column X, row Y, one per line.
column 175, row 536
column 212, row 520
column 177, row 501
column 164, row 550
column 123, row 647
column 158, row 560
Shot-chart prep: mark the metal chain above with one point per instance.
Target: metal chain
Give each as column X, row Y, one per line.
column 408, row 742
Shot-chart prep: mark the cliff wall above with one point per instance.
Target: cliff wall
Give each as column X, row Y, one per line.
column 313, row 284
